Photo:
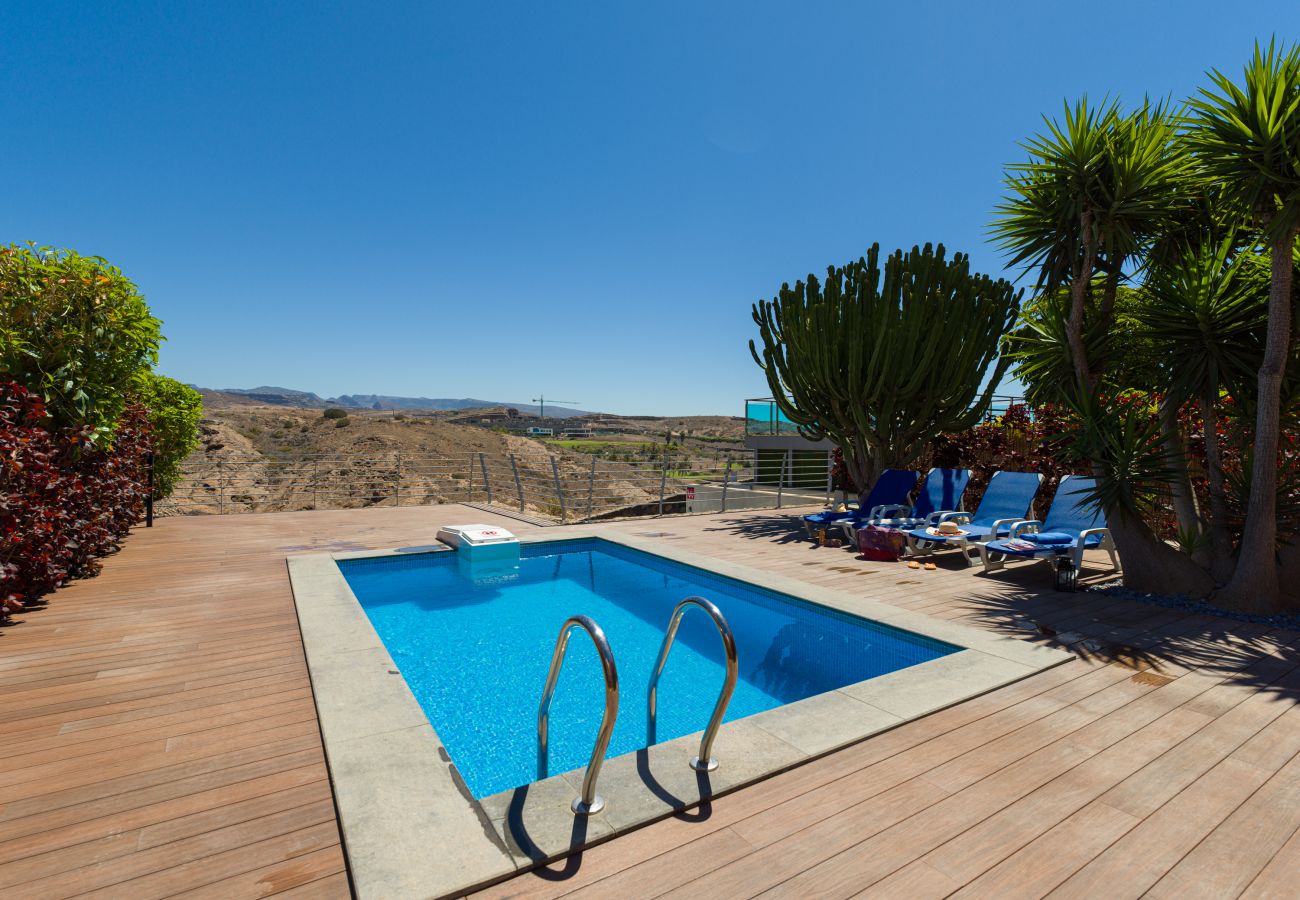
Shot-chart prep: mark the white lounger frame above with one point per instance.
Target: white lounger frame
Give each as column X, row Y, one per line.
column 993, row 560
column 970, row 548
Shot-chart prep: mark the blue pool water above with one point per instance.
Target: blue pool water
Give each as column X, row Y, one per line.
column 474, row 644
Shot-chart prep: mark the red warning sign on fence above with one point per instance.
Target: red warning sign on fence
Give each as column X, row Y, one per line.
column 690, row 493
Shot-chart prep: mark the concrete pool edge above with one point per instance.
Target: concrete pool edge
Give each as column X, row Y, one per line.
column 410, row 826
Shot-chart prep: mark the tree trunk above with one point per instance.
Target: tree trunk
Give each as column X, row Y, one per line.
column 860, row 463
column 1185, row 508
column 1220, row 540
column 1079, row 285
column 1153, row 566
column 1288, row 567
column 1254, row 584
column 1109, row 293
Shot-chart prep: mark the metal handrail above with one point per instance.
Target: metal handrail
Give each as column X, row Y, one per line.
column 588, row 801
column 551, row 483
column 705, row 761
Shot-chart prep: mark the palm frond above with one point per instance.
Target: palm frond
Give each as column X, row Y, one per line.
column 1121, row 439
column 1246, row 137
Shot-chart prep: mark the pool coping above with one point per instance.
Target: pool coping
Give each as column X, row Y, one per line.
column 410, row 825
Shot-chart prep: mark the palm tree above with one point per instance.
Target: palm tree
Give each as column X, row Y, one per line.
column 1096, row 194
column 1247, row 140
column 1205, row 313
column 1090, row 200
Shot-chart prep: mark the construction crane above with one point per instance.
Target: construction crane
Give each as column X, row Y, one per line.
column 541, row 401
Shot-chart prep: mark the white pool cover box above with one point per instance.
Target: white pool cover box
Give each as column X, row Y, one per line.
column 480, row 541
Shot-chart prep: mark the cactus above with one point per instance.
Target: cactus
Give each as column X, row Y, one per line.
column 882, row 370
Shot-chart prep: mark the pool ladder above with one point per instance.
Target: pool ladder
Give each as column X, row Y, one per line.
column 588, row 801
column 704, row 762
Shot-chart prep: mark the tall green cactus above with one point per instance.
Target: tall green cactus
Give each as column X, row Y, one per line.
column 881, row 371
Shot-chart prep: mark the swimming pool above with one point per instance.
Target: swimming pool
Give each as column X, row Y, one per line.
column 474, row 644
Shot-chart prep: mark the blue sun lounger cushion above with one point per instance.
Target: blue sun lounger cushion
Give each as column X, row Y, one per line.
column 1050, row 538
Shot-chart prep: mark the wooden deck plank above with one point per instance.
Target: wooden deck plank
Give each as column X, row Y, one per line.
column 166, row 744
column 69, row 834
column 1229, row 858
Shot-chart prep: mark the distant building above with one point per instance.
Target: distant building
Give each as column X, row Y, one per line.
column 485, row 416
column 781, row 453
column 536, row 431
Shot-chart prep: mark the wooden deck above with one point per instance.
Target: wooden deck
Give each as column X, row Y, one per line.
column 160, row 739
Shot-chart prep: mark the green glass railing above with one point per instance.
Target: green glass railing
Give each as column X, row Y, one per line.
column 762, row 416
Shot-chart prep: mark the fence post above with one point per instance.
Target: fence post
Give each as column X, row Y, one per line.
column 559, row 490
column 780, row 478
column 726, row 479
column 519, row 485
column 487, row 483
column 591, row 482
column 830, row 471
column 470, row 496
column 663, row 484
column 315, row 480
column 221, row 489
column 148, row 498
column 397, row 491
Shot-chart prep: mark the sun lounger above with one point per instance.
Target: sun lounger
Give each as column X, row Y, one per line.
column 940, row 493
column 1071, row 526
column 1006, row 501
column 890, row 489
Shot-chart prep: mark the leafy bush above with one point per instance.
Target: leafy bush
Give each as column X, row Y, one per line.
column 76, row 332
column 63, row 500
column 1020, row 440
column 175, row 410
column 335, row 413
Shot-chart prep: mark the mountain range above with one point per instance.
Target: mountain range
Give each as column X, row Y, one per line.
column 279, row 396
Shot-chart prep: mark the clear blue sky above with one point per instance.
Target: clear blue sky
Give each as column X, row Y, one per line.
column 496, row 200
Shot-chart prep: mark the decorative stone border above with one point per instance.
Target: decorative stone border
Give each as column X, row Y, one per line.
column 410, row 826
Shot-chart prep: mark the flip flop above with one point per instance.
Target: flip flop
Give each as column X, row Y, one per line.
column 914, row 565
column 930, row 567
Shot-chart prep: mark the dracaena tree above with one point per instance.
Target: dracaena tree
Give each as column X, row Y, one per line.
column 1200, row 215
column 1096, row 194
column 1204, row 313
column 882, row 366
column 1093, row 195
column 1246, row 137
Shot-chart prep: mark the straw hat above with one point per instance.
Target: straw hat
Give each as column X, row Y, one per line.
column 945, row 529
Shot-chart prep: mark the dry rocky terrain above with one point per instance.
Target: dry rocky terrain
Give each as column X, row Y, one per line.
column 271, row 458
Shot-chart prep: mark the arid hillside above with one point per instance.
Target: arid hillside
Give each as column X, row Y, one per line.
column 273, row 458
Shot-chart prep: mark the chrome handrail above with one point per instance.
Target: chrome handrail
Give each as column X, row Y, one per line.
column 588, row 801
column 705, row 761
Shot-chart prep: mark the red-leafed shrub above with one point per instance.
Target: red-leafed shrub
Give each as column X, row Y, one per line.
column 63, row 502
column 1020, row 440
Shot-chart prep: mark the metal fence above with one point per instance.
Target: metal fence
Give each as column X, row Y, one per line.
column 555, row 488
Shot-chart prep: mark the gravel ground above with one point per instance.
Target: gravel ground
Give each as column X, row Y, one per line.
column 1201, row 607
